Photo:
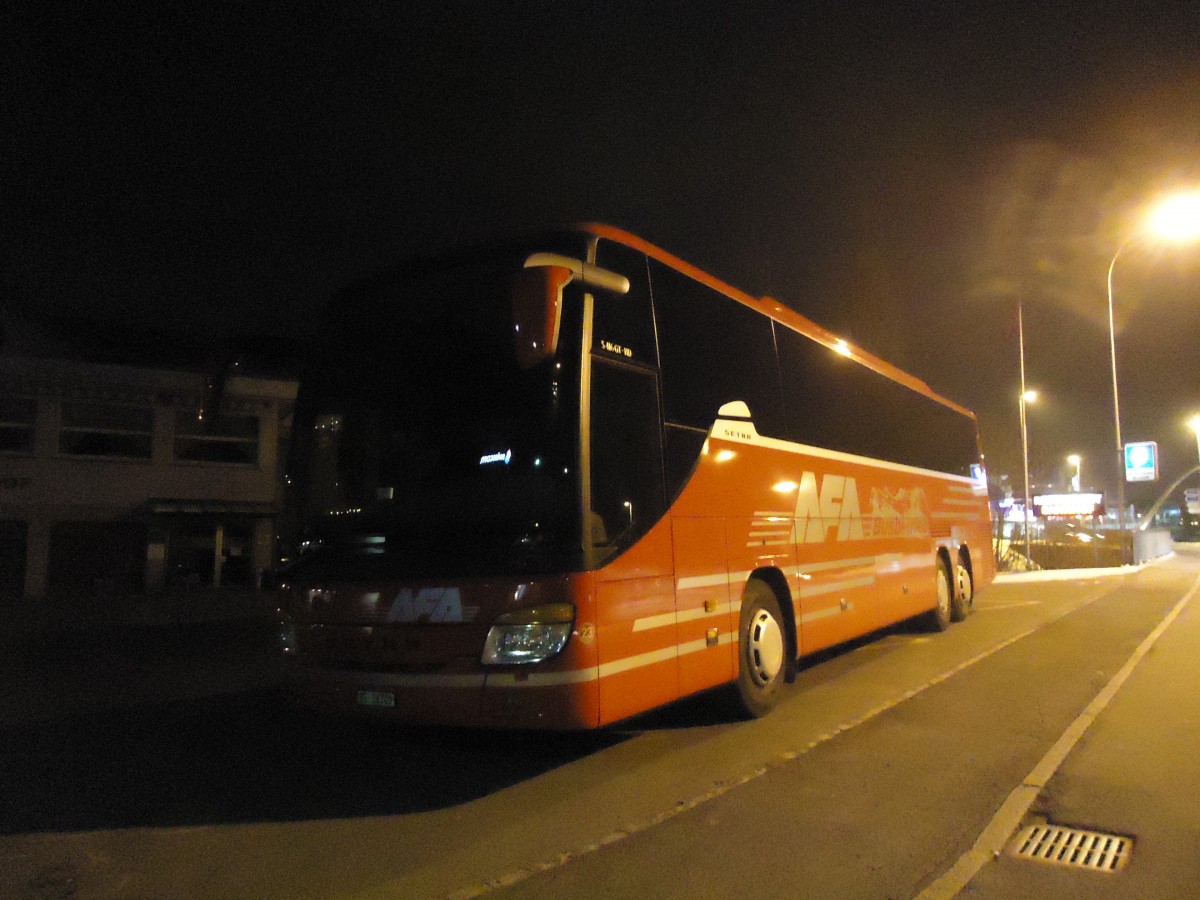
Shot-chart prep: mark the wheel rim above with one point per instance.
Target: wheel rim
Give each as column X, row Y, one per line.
column 764, row 648
column 943, row 589
column 964, row 584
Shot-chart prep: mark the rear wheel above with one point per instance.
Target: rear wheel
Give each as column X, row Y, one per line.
column 964, row 592
column 938, row 618
column 762, row 651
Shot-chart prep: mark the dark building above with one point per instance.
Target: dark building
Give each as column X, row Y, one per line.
column 119, row 480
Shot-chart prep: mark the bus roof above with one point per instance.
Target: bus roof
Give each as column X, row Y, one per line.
column 775, row 310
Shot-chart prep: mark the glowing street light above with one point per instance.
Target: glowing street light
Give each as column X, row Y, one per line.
column 1026, row 398
column 1194, row 424
column 1176, row 219
column 1077, row 461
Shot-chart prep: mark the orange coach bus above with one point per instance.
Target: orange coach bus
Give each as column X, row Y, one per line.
column 562, row 481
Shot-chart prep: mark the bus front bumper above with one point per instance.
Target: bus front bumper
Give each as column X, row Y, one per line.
column 504, row 698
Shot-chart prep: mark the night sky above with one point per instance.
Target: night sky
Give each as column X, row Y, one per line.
column 901, row 173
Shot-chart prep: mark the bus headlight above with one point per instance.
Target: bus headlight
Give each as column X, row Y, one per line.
column 529, row 635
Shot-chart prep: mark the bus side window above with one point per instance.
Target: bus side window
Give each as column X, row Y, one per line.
column 833, row 402
column 830, row 401
column 627, row 482
column 714, row 350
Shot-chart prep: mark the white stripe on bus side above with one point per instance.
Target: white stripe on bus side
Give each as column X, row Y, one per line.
column 615, row 667
column 835, row 586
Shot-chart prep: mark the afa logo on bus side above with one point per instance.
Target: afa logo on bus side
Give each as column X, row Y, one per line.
column 834, row 508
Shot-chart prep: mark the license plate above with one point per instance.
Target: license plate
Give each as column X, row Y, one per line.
column 381, row 699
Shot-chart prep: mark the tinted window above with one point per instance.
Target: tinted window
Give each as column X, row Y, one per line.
column 836, row 403
column 682, row 454
column 713, row 350
column 624, row 324
column 418, row 432
column 627, row 483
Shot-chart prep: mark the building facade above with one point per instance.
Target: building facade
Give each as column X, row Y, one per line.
column 119, row 481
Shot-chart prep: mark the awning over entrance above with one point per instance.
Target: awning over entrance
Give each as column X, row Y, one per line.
column 254, row 509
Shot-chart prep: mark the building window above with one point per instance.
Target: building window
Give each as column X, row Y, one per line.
column 17, row 415
column 220, row 439
column 91, row 428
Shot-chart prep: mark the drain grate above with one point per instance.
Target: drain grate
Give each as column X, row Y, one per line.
column 1073, row 847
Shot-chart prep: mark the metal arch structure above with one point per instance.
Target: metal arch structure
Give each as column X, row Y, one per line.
column 1144, row 522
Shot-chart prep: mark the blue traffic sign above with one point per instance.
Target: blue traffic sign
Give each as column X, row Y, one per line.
column 1141, row 461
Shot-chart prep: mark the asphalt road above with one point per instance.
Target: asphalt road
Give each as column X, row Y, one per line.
column 876, row 777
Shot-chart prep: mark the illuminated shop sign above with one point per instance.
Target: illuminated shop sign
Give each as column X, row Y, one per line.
column 503, row 456
column 1068, row 505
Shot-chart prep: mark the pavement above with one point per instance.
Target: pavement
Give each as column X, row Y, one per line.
column 90, row 656
column 1131, row 768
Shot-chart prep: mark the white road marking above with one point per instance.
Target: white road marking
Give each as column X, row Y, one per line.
column 1012, row 605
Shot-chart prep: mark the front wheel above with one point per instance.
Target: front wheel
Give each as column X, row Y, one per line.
column 762, row 651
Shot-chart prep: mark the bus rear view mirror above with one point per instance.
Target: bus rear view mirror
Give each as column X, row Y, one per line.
column 537, row 312
column 537, row 301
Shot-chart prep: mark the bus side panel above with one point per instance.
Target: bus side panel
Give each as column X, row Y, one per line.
column 905, row 576
column 835, row 580
column 983, row 562
column 636, row 631
column 838, row 598
column 706, row 604
column 756, row 544
column 961, row 522
column 974, row 530
column 639, row 659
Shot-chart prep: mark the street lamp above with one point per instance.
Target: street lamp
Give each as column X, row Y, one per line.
column 1027, row 397
column 1176, row 218
column 1076, row 460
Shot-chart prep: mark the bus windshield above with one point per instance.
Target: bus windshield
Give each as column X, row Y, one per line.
column 422, row 447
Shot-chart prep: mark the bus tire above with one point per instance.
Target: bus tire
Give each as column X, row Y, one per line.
column 964, row 592
column 938, row 618
column 762, row 651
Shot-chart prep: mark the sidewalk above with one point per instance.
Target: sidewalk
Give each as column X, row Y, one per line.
column 1134, row 773
column 80, row 658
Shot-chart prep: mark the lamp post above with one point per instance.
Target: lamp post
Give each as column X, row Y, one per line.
column 1176, row 219
column 1112, row 347
column 1026, row 398
column 1077, row 461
